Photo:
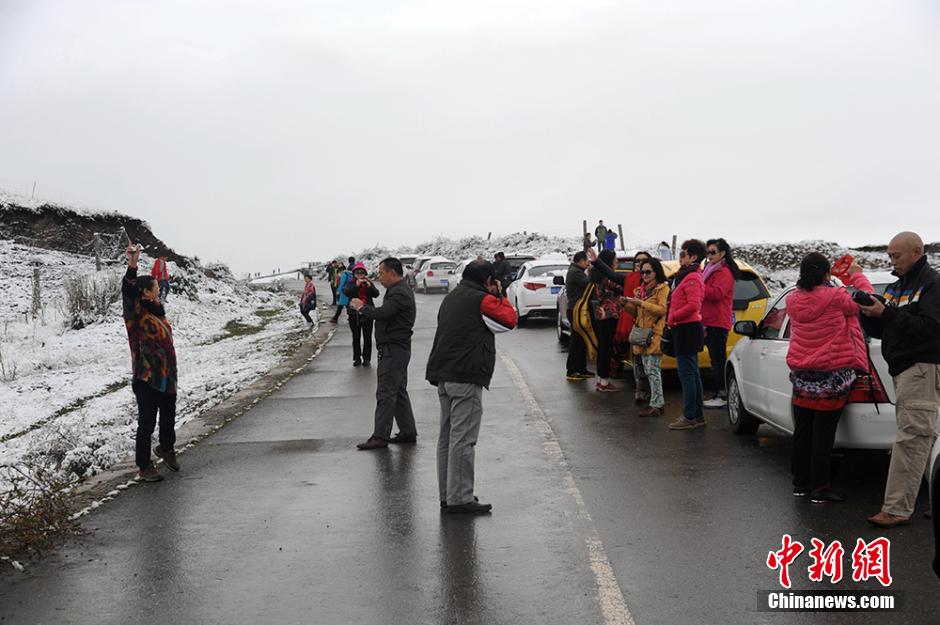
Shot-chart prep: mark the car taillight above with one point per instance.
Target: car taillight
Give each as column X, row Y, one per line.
column 430, row 274
column 868, row 389
column 533, row 286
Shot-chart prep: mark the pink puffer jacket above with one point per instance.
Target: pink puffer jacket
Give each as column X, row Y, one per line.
column 825, row 334
column 719, row 298
column 685, row 303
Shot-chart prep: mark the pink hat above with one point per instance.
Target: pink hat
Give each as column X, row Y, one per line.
column 360, row 265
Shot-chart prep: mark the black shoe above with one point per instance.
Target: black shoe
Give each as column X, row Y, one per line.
column 372, row 443
column 589, row 374
column 801, row 491
column 169, row 458
column 826, row 495
column 357, row 363
column 398, row 439
column 366, row 363
column 473, row 507
column 444, row 503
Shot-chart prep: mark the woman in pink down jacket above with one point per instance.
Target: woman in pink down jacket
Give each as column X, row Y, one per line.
column 827, row 348
column 717, row 314
column 688, row 334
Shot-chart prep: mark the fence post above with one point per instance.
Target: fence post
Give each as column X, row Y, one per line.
column 584, row 227
column 674, row 237
column 620, row 230
column 97, row 252
column 37, row 294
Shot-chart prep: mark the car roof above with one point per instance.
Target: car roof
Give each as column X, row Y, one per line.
column 439, row 259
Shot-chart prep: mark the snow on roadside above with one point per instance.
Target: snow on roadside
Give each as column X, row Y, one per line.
column 65, row 394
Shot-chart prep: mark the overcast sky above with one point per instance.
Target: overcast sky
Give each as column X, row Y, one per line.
column 262, row 133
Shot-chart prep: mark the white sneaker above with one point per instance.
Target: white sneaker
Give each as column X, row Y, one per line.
column 717, row 402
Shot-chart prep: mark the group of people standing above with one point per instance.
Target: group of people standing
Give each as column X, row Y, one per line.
column 652, row 316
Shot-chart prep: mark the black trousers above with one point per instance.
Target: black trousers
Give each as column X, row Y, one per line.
column 339, row 311
column 392, row 403
column 716, row 340
column 606, row 329
column 333, row 291
column 149, row 402
column 577, row 352
column 814, row 432
column 361, row 336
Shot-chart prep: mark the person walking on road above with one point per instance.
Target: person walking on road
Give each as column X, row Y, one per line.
column 394, row 325
column 308, row 299
column 688, row 333
column 461, row 365
column 648, row 303
column 342, row 301
column 153, row 363
column 826, row 350
column 600, row 233
column 331, row 272
column 718, row 313
column 161, row 274
column 361, row 288
column 908, row 324
column 575, row 282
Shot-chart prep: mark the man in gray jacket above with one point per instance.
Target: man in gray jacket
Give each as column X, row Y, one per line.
column 394, row 323
column 461, row 365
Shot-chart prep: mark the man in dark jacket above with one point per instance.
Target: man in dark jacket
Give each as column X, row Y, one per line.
column 503, row 269
column 461, row 365
column 575, row 283
column 908, row 324
column 394, row 323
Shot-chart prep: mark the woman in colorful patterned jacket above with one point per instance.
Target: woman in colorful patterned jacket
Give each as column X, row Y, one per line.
column 826, row 349
column 153, row 362
column 649, row 305
column 608, row 289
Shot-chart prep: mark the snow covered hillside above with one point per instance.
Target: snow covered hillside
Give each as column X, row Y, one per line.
column 65, row 393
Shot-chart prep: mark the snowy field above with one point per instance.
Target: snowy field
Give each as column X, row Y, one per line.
column 65, row 394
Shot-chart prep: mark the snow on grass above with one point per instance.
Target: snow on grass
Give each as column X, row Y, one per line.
column 65, row 394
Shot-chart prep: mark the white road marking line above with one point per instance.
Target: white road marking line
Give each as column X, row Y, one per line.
column 609, row 595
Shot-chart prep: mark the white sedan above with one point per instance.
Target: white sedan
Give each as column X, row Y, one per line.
column 534, row 292
column 435, row 273
column 759, row 388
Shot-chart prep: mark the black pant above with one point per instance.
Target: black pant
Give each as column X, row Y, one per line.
column 577, row 352
column 361, row 336
column 814, row 432
column 716, row 340
column 392, row 403
column 606, row 329
column 339, row 311
column 305, row 313
column 333, row 291
column 149, row 402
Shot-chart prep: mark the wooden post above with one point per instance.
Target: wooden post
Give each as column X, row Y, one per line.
column 37, row 294
column 620, row 230
column 674, row 238
column 97, row 252
column 488, row 235
column 584, row 227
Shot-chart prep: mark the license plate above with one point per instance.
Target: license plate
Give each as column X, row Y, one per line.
column 445, row 283
column 556, row 290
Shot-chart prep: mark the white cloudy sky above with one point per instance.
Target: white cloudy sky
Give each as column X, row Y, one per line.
column 264, row 132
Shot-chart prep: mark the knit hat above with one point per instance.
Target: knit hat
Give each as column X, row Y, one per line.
column 358, row 266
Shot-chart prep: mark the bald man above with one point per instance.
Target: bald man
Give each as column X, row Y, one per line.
column 908, row 324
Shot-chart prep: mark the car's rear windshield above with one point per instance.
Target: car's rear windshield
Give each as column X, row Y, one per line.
column 748, row 288
column 624, row 264
column 515, row 263
column 444, row 266
column 544, row 270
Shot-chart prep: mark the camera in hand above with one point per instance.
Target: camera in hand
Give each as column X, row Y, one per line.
column 862, row 298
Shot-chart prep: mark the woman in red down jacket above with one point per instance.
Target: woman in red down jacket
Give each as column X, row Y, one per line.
column 717, row 315
column 688, row 333
column 826, row 350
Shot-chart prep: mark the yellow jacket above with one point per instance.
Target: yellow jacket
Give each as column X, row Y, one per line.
column 651, row 313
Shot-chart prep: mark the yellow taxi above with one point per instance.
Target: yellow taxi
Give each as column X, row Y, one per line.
column 750, row 302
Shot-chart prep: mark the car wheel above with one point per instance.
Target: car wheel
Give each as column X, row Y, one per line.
column 742, row 422
column 522, row 319
column 562, row 337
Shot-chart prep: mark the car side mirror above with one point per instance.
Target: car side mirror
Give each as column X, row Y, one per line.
column 746, row 328
column 559, row 280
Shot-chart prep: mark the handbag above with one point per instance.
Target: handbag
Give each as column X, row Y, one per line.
column 666, row 343
column 641, row 337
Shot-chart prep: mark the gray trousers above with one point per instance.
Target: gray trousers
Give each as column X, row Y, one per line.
column 461, row 414
column 391, row 393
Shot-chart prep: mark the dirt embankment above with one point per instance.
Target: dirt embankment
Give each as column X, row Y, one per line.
column 57, row 228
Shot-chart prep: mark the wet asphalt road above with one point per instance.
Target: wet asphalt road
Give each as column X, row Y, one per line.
column 599, row 516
